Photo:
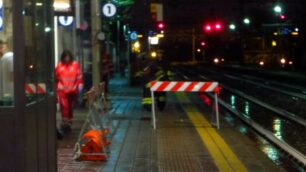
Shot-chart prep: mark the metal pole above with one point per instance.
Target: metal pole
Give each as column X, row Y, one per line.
column 153, row 110
column 96, row 28
column 193, row 45
column 118, row 45
column 128, row 62
column 74, row 42
column 217, row 110
column 56, row 40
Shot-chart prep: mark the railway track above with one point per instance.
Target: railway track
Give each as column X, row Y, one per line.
column 260, row 114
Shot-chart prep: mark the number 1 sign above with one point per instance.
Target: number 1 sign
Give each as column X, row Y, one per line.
column 109, row 10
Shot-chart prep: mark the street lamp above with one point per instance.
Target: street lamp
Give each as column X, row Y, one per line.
column 246, row 21
column 282, row 61
column 278, row 9
column 232, row 27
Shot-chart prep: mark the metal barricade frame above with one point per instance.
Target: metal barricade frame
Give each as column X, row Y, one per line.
column 98, row 109
column 184, row 86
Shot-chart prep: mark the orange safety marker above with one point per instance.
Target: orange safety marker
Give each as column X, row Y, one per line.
column 35, row 88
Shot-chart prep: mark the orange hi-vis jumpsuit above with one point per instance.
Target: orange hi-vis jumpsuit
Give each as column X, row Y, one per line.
column 69, row 80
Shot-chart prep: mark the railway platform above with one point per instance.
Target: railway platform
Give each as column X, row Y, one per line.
column 184, row 140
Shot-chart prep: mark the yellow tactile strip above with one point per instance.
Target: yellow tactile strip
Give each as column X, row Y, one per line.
column 224, row 157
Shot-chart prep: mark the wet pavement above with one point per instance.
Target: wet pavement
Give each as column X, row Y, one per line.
column 174, row 146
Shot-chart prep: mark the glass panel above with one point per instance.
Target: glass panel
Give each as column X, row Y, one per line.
column 38, row 49
column 6, row 54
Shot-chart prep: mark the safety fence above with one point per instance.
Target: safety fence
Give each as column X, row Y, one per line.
column 183, row 86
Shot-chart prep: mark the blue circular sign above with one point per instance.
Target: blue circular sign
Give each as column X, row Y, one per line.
column 65, row 20
column 133, row 36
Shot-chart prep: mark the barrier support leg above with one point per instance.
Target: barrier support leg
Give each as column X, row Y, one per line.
column 153, row 110
column 217, row 110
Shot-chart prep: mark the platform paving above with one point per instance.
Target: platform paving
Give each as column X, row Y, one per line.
column 174, row 147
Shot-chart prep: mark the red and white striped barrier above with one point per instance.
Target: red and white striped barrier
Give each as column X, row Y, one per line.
column 35, row 88
column 182, row 86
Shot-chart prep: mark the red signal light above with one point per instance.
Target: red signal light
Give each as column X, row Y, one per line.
column 218, row 26
column 161, row 25
column 208, row 28
column 282, row 17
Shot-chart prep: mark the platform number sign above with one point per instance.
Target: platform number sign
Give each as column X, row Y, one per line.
column 65, row 20
column 109, row 10
column 1, row 15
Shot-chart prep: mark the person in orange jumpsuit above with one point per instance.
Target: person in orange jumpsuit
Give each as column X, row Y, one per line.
column 69, row 81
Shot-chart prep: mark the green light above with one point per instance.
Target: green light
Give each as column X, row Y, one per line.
column 278, row 9
column 232, row 27
column 246, row 21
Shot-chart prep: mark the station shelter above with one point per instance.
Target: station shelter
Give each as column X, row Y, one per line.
column 27, row 97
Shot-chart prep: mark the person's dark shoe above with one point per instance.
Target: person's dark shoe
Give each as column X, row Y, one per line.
column 59, row 135
column 66, row 128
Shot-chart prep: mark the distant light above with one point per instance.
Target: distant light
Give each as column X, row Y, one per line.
column 136, row 47
column 208, row 28
column 161, row 25
column 47, row 29
column 283, row 60
column 232, row 27
column 246, row 21
column 203, row 43
column 198, row 50
column 275, row 33
column 140, row 36
column 61, row 6
column 31, row 66
column 218, row 26
column 278, row 9
column 216, row 60
column 160, row 35
column 39, row 4
column 290, row 62
column 274, row 43
column 162, row 32
column 154, row 40
column 136, row 44
column 222, row 60
column 282, row 17
column 153, row 54
column 294, row 33
column 261, row 63
column 296, row 29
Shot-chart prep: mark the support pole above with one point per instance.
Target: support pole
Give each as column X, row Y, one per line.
column 193, row 45
column 56, row 57
column 153, row 110
column 217, row 110
column 118, row 46
column 96, row 28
